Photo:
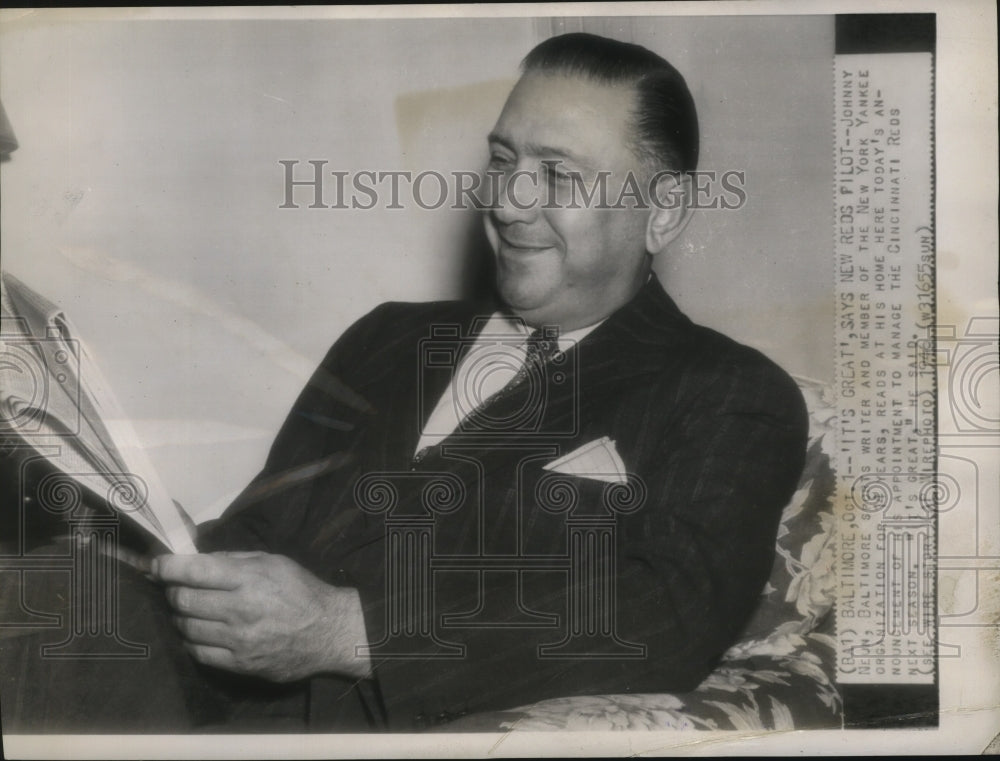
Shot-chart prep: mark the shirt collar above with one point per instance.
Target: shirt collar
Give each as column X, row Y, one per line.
column 505, row 324
column 508, row 324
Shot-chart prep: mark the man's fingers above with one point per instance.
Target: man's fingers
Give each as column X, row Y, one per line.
column 204, row 571
column 242, row 554
column 198, row 631
column 208, row 604
column 219, row 657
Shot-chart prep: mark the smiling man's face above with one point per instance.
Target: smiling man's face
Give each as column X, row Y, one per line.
column 570, row 267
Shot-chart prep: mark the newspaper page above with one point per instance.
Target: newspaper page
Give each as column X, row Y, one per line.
column 524, row 506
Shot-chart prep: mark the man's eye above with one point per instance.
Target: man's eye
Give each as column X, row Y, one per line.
column 555, row 176
column 498, row 161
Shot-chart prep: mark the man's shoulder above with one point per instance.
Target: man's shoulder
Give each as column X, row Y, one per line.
column 722, row 351
column 699, row 362
column 426, row 312
column 413, row 319
column 398, row 327
column 653, row 332
column 722, row 365
column 656, row 333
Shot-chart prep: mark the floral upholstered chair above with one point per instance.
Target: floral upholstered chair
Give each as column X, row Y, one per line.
column 779, row 674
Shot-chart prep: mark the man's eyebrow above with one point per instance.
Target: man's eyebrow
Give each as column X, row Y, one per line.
column 534, row 149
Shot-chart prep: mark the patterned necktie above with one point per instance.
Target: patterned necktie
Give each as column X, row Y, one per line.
column 542, row 345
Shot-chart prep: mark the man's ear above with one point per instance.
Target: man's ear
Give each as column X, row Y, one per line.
column 670, row 209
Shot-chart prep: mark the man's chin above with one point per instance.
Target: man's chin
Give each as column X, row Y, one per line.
column 521, row 298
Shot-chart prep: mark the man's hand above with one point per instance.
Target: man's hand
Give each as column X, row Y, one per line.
column 265, row 615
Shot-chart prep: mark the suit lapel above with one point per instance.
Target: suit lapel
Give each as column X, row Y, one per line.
column 637, row 335
column 432, row 350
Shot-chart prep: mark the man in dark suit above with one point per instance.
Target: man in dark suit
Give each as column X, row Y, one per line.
column 574, row 490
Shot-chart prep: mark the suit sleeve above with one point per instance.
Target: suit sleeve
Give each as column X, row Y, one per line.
column 315, row 442
column 694, row 560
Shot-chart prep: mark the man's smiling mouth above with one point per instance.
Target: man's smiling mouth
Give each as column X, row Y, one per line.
column 523, row 246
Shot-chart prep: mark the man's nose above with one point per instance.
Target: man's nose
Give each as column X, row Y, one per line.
column 517, row 198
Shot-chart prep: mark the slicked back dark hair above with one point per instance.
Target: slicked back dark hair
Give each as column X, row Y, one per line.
column 665, row 122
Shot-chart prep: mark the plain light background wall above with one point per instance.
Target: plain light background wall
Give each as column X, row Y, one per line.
column 144, row 197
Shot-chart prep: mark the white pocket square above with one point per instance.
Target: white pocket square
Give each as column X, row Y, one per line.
column 598, row 460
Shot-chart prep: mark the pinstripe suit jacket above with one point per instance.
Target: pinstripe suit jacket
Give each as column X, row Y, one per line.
column 712, row 433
